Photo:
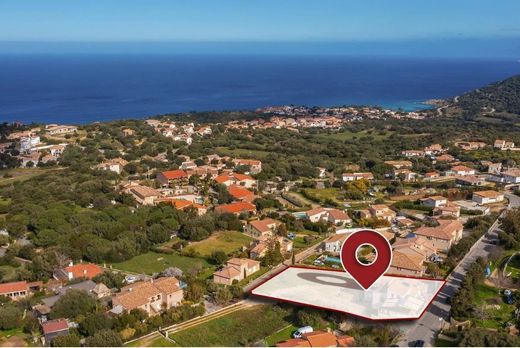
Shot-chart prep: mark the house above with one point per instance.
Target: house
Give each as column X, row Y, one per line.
column 433, row 149
column 235, row 270
column 236, row 208
column 494, row 168
column 434, row 201
column 144, row 195
column 503, row 144
column 338, row 217
column 54, row 328
column 172, row 177
column 316, row 214
column 27, row 143
column 463, row 170
column 101, row 291
column 115, row 165
column 449, row 210
column 487, row 197
column 54, row 129
column 399, row 164
column 334, row 243
column 127, row 132
column 470, row 180
column 378, row 211
column 413, row 153
column 152, row 296
column 181, row 204
column 260, row 228
column 442, row 236
column 319, row 339
column 357, row 176
column 470, row 145
column 188, row 165
column 404, row 174
column 80, row 270
column 445, row 158
column 431, row 175
column 512, row 176
column 261, row 245
column 255, row 166
column 406, row 264
column 19, row 290
column 236, row 179
column 240, row 193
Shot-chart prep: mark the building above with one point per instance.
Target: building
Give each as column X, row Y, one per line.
column 54, row 129
column 240, row 193
column 404, row 174
column 319, row 339
column 462, row 170
column 442, row 236
column 236, row 208
column 80, row 270
column 54, row 328
column 413, row 153
column 262, row 244
column 445, row 158
column 511, row 176
column 449, row 210
column 471, row 180
column 172, row 177
column 334, row 243
column 406, row 264
column 357, row 176
column 152, row 296
column 115, row 165
column 487, row 197
column 433, row 149
column 261, row 228
column 235, row 270
column 494, row 168
column 378, row 211
column 19, row 290
column 399, row 164
column 503, row 144
column 144, row 195
column 434, row 201
column 101, row 291
column 255, row 166
column 27, row 143
column 431, row 175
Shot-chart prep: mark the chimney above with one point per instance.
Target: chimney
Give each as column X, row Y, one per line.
column 84, row 272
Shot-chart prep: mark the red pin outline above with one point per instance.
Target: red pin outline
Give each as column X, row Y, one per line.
column 368, row 282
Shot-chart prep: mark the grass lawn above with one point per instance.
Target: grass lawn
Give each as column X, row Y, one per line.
column 12, row 338
column 282, row 335
column 493, row 318
column 513, row 268
column 9, row 273
column 321, row 195
column 299, row 242
column 240, row 328
column 226, row 241
column 22, row 174
column 152, row 262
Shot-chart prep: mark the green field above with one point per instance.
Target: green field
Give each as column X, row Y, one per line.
column 242, row 153
column 240, row 328
column 513, row 268
column 282, row 335
column 152, row 262
column 321, row 195
column 22, row 174
column 226, row 241
column 492, row 318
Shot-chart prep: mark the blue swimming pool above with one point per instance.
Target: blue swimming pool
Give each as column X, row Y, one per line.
column 332, row 259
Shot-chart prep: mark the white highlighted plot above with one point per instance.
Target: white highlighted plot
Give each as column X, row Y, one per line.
column 389, row 298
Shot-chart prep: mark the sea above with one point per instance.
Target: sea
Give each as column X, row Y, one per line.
column 83, row 88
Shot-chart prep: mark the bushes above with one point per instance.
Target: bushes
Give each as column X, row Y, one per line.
column 463, row 301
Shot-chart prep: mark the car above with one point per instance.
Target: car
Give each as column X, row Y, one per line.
column 335, row 266
column 303, row 330
column 417, row 343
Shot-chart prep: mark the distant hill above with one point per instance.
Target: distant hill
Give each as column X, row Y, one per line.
column 499, row 101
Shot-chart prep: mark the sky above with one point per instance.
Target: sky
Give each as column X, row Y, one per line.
column 254, row 21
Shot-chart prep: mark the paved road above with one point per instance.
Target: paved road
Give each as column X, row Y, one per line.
column 430, row 323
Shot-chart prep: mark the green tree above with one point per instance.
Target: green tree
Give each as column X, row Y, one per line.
column 70, row 340
column 73, row 303
column 104, row 338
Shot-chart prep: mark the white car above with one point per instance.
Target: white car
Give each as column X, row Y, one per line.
column 303, row 330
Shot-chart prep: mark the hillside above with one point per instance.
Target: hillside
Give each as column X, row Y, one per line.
column 497, row 102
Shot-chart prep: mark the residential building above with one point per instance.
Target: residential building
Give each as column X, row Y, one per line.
column 316, row 214
column 413, row 153
column 19, row 290
column 434, row 201
column 444, row 235
column 240, row 193
column 262, row 244
column 431, row 175
column 406, row 264
column 319, row 339
column 261, row 228
column 445, row 158
column 503, row 144
column 462, row 170
column 471, row 180
column 54, row 328
column 236, row 208
column 255, row 166
column 404, row 174
column 378, row 211
column 357, row 176
column 101, row 291
column 235, row 270
column 333, row 244
column 115, row 165
column 27, row 143
column 144, row 195
column 433, row 149
column 399, row 164
column 169, row 177
column 80, row 270
column 494, row 168
column 512, row 176
column 152, row 296
column 449, row 210
column 487, row 197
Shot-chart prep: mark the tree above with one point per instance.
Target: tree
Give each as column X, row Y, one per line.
column 223, row 295
column 310, row 317
column 73, row 303
column 95, row 322
column 195, row 291
column 104, row 338
column 10, row 316
column 66, row 341
column 219, row 257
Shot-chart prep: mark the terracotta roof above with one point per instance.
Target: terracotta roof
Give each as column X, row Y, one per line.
column 236, row 207
column 315, row 211
column 337, row 237
column 338, row 214
column 174, row 174
column 13, row 287
column 136, row 295
column 223, row 178
column 181, row 203
column 243, row 261
column 241, row 177
column 294, row 342
column 228, row 272
column 144, row 191
column 247, row 162
column 445, row 158
column 320, row 339
column 488, row 194
column 435, row 198
column 85, row 270
column 461, row 169
column 445, row 230
column 52, row 326
column 346, row 341
column 239, row 192
column 402, row 260
column 264, row 225
column 167, row 285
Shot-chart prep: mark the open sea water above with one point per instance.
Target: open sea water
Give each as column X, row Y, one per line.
column 77, row 89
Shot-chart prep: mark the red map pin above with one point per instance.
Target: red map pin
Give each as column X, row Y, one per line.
column 366, row 274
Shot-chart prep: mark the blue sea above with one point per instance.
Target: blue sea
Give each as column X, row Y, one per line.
column 77, row 89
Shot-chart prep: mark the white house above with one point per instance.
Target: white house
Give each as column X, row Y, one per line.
column 487, row 197
column 434, row 201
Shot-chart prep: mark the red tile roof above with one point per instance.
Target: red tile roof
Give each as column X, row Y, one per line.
column 85, row 270
column 55, row 326
column 13, row 287
column 237, row 207
column 175, row 174
column 239, row 192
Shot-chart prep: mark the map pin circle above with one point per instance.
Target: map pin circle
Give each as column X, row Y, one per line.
column 366, row 274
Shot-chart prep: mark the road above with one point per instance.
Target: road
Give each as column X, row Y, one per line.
column 438, row 312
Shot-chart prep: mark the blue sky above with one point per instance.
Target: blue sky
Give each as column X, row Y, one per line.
column 257, row 20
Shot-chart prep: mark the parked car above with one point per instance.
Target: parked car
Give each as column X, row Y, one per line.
column 417, row 343
column 303, row 330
